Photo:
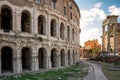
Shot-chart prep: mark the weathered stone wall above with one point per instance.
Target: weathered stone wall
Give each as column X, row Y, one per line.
column 17, row 40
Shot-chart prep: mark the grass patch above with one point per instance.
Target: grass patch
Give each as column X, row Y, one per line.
column 111, row 75
column 74, row 71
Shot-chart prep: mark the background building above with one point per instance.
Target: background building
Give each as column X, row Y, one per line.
column 91, row 49
column 38, row 34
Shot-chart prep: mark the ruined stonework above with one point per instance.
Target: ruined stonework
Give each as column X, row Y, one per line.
column 111, row 36
column 38, row 34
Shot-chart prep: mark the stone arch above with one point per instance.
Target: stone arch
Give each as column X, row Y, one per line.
column 53, row 58
column 69, row 57
column 26, row 21
column 41, row 25
column 7, row 59
column 42, row 55
column 73, row 33
column 62, row 31
column 53, row 28
column 62, row 57
column 6, row 18
column 26, row 58
column 68, row 33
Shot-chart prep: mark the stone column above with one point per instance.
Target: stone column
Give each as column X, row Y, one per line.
column 103, row 38
column 14, row 21
column 58, row 29
column 108, row 42
column 18, row 22
column 48, row 26
column 115, row 43
column 34, row 59
column 58, row 61
column 66, row 58
column 32, row 22
column 17, row 65
column 65, row 32
column 71, row 57
column 48, row 59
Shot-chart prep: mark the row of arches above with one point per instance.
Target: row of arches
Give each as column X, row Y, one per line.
column 7, row 24
column 26, row 58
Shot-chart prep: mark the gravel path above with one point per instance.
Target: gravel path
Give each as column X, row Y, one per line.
column 97, row 73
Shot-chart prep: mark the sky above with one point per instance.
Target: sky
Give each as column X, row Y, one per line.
column 93, row 13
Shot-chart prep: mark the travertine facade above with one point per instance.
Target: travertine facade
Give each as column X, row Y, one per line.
column 38, row 34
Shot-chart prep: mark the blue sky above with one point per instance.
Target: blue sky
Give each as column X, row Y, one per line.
column 93, row 12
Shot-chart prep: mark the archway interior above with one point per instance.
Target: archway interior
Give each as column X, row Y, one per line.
column 41, row 23
column 68, row 33
column 62, row 57
column 42, row 58
column 53, row 28
column 6, row 19
column 25, row 22
column 68, row 57
column 73, row 56
column 54, row 58
column 26, row 58
column 6, row 58
column 62, row 31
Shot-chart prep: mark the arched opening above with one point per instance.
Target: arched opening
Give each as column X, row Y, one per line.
column 53, row 28
column 42, row 58
column 62, row 57
column 62, row 31
column 41, row 25
column 73, row 56
column 73, row 34
column 68, row 33
column 69, row 57
column 26, row 58
column 25, row 21
column 7, row 58
column 53, row 58
column 6, row 19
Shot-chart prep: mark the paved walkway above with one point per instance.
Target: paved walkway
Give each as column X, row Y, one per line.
column 97, row 74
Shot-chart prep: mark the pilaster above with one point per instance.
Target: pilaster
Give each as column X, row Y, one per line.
column 14, row 21
column 48, row 26
column 18, row 22
column 58, row 61
column 17, row 65
column 34, row 59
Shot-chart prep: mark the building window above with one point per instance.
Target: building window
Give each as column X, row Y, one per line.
column 71, row 15
column 38, row 1
column 54, row 4
column 64, row 10
column 6, row 19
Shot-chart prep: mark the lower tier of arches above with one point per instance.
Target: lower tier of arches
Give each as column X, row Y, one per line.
column 16, row 59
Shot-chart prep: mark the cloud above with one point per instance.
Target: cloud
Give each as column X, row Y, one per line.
column 98, row 5
column 93, row 33
column 114, row 10
column 91, row 23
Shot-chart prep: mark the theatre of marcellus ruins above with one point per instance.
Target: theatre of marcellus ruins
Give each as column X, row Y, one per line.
column 38, row 34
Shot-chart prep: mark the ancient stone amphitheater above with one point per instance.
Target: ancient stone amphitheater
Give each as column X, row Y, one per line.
column 38, row 34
